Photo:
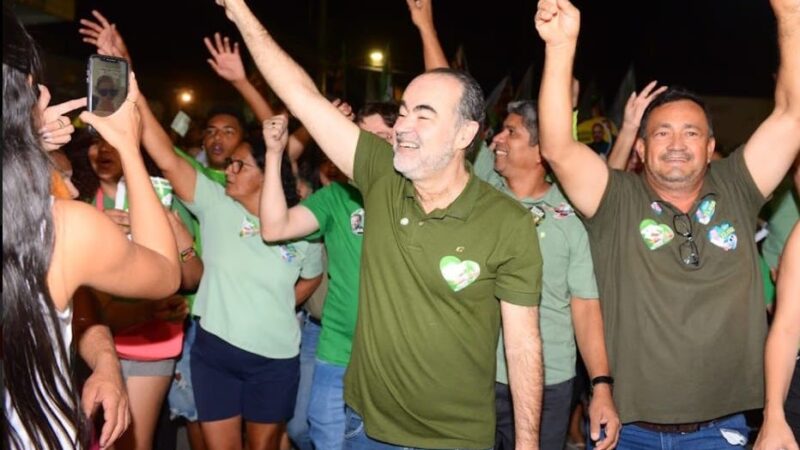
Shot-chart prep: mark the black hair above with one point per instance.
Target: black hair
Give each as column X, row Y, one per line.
column 387, row 111
column 530, row 118
column 37, row 373
column 674, row 94
column 228, row 111
column 259, row 151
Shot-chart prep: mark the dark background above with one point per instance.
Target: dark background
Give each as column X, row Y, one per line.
column 715, row 47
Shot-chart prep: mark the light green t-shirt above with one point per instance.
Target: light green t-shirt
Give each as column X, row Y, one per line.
column 339, row 209
column 246, row 296
column 423, row 366
column 567, row 272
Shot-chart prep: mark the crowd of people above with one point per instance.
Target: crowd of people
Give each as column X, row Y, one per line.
column 392, row 277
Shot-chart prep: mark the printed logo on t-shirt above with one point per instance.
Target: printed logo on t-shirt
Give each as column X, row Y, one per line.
column 656, row 207
column 563, row 210
column 654, row 234
column 459, row 274
column 357, row 222
column 705, row 212
column 723, row 236
column 288, row 252
column 538, row 214
column 249, row 228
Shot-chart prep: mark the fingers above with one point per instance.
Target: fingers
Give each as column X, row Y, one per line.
column 567, row 7
column 88, row 403
column 546, row 10
column 227, row 44
column 70, row 105
column 100, row 18
column 44, row 97
column 210, row 47
column 133, row 88
column 91, row 28
column 218, row 42
column 236, row 48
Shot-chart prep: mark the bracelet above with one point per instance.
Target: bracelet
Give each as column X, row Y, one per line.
column 188, row 254
column 603, row 379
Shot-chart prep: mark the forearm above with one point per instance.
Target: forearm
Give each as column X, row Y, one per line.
column 621, row 152
column 779, row 358
column 191, row 273
column 526, row 379
column 554, row 97
column 155, row 140
column 587, row 320
column 274, row 212
column 305, row 287
column 254, row 99
column 96, row 347
column 432, row 50
column 787, row 91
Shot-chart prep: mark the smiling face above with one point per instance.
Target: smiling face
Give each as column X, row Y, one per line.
column 429, row 133
column 222, row 135
column 677, row 145
column 247, row 182
column 105, row 161
column 514, row 153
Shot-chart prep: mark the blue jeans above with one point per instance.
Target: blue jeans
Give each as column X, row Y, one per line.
column 297, row 427
column 724, row 434
column 355, row 438
column 326, row 409
column 181, row 395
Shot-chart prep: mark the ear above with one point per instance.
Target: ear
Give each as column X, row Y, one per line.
column 638, row 147
column 466, row 133
column 712, row 143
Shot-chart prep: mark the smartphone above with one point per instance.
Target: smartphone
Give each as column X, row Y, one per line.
column 107, row 83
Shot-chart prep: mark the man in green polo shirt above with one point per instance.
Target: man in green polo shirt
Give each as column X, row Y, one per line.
column 673, row 247
column 441, row 247
column 569, row 291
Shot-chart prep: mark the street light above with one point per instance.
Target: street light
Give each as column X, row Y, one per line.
column 376, row 58
column 186, row 97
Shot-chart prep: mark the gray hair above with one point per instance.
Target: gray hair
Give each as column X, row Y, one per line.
column 471, row 105
column 530, row 118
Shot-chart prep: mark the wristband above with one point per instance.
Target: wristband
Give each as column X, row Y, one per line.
column 603, row 379
column 188, row 254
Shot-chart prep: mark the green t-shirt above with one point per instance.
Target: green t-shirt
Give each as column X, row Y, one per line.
column 339, row 210
column 217, row 176
column 422, row 368
column 685, row 344
column 783, row 211
column 567, row 272
column 246, row 296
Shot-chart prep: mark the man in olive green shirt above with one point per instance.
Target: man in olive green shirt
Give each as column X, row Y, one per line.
column 673, row 247
column 440, row 248
column 569, row 290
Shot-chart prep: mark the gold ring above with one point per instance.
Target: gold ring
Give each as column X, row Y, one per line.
column 60, row 123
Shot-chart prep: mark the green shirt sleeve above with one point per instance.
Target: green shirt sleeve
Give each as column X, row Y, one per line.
column 484, row 162
column 519, row 278
column 206, row 194
column 580, row 273
column 320, row 203
column 373, row 160
column 217, row 176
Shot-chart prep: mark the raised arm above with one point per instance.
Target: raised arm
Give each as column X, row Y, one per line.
column 278, row 222
column 523, row 347
column 335, row 134
column 422, row 16
column 771, row 150
column 634, row 109
column 582, row 173
column 781, row 350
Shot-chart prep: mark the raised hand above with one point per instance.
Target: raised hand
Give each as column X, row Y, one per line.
column 344, row 108
column 557, row 22
column 276, row 133
column 636, row 104
column 421, row 13
column 105, row 387
column 225, row 59
column 104, row 36
column 56, row 128
column 123, row 128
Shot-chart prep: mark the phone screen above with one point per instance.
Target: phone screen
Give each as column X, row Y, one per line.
column 107, row 84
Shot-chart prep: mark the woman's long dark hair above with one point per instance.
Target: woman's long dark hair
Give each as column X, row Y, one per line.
column 37, row 373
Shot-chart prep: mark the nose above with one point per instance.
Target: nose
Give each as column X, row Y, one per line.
column 500, row 137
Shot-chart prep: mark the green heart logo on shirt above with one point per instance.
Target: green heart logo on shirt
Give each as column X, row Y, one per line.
column 459, row 274
column 654, row 234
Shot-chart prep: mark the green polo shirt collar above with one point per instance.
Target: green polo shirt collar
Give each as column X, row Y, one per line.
column 461, row 207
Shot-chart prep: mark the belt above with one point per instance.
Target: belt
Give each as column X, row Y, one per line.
column 314, row 320
column 675, row 427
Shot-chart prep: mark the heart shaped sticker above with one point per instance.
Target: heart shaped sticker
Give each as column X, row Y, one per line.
column 654, row 234
column 459, row 274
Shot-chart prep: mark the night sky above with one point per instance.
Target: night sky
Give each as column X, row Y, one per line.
column 715, row 47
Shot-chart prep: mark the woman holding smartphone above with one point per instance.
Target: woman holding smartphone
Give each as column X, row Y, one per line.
column 51, row 247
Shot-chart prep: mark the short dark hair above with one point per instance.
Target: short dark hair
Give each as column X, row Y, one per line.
column 258, row 149
column 220, row 110
column 674, row 94
column 387, row 111
column 530, row 118
column 471, row 106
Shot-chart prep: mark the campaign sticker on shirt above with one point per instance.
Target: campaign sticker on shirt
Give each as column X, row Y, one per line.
column 705, row 212
column 538, row 214
column 249, row 228
column 654, row 234
column 459, row 274
column 288, row 252
column 656, row 207
column 357, row 222
column 723, row 236
column 563, row 210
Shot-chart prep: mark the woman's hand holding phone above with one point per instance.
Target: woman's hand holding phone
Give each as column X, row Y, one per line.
column 123, row 128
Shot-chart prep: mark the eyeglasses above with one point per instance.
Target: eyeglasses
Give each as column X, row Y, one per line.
column 236, row 164
column 108, row 92
column 682, row 224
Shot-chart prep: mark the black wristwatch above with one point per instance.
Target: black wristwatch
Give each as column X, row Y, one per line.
column 603, row 379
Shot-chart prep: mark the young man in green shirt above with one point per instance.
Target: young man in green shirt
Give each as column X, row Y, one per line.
column 440, row 248
column 673, row 247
